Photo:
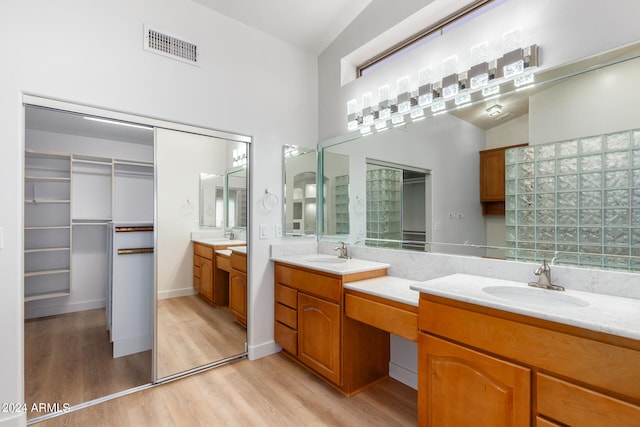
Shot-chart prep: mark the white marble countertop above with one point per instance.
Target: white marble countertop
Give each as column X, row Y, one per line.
column 221, row 242
column 388, row 287
column 602, row 313
column 225, row 252
column 331, row 263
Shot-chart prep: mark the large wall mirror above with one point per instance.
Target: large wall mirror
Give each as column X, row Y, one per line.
column 300, row 192
column 111, row 207
column 572, row 195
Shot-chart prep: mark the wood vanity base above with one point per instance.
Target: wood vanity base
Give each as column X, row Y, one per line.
column 313, row 330
column 541, row 373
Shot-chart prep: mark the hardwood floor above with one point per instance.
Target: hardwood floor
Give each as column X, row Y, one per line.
column 272, row 391
column 68, row 359
column 192, row 333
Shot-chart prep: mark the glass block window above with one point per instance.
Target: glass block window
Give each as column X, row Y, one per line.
column 576, row 202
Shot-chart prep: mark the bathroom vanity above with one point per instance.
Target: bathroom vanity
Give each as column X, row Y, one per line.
column 311, row 325
column 238, row 284
column 525, row 357
column 210, row 281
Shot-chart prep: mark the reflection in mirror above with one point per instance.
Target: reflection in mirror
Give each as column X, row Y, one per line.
column 563, row 109
column 300, row 176
column 195, row 323
column 236, row 198
column 211, row 200
column 398, row 199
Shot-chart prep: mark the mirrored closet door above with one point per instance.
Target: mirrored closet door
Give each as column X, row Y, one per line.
column 113, row 296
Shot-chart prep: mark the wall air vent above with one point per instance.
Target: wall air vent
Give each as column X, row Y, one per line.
column 170, row 46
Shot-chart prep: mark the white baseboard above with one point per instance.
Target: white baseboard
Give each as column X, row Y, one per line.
column 263, row 350
column 13, row 420
column 52, row 310
column 175, row 293
column 404, row 375
column 132, row 345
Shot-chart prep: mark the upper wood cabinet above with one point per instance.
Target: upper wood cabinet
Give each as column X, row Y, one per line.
column 492, row 177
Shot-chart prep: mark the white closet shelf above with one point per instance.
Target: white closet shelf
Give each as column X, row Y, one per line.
column 47, row 179
column 35, row 202
column 58, row 249
column 46, row 295
column 46, row 272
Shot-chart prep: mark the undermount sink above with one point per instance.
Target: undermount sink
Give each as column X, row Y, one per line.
column 328, row 260
column 535, row 296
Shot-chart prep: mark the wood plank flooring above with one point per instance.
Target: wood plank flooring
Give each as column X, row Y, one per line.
column 272, row 391
column 192, row 333
column 68, row 359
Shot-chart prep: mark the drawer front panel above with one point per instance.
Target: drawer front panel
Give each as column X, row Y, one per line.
column 286, row 315
column 203, row 251
column 577, row 406
column 287, row 296
column 286, row 337
column 239, row 262
column 223, row 263
column 391, row 319
column 315, row 284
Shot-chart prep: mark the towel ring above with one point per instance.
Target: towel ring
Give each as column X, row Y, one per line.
column 269, row 201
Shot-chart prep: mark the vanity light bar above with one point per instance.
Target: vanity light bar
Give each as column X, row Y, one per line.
column 483, row 78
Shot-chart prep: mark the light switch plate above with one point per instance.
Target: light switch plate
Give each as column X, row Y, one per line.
column 278, row 230
column 263, row 232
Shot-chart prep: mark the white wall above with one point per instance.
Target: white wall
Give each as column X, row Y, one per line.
column 91, row 53
column 594, row 103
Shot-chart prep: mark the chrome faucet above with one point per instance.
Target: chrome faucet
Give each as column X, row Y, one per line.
column 229, row 232
column 343, row 251
column 544, row 279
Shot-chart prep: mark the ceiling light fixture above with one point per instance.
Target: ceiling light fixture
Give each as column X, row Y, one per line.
column 494, row 110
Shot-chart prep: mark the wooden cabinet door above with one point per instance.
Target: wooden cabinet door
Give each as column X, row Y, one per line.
column 492, row 175
column 238, row 296
column 319, row 336
column 458, row 386
column 206, row 278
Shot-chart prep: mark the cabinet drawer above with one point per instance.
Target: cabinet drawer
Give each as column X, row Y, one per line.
column 287, row 296
column 196, row 271
column 287, row 316
column 574, row 405
column 203, row 251
column 239, row 262
column 396, row 320
column 315, row 284
column 223, row 263
column 286, row 337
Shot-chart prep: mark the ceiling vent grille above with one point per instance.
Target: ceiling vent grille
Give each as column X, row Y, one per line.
column 170, row 46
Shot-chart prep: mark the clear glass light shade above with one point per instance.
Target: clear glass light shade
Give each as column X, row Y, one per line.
column 365, row 130
column 438, row 106
column 425, row 99
column 417, row 114
column 491, row 90
column 513, row 69
column 381, row 125
column 352, row 106
column 397, row 120
column 352, row 125
column 367, row 120
column 384, row 114
column 464, row 98
column 524, row 79
column 404, row 107
column 451, row 90
column 479, row 81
